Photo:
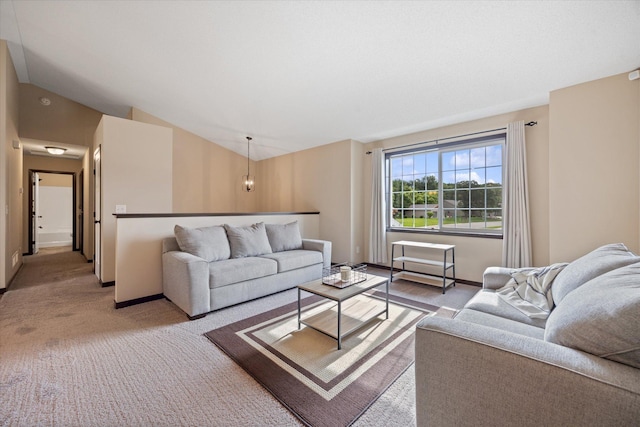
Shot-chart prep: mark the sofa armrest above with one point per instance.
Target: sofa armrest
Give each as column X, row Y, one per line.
column 185, row 281
column 466, row 373
column 323, row 246
column 496, row 277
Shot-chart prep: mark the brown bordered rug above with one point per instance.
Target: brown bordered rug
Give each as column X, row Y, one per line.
column 304, row 370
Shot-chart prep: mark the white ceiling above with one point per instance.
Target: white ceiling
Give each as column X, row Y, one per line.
column 299, row 74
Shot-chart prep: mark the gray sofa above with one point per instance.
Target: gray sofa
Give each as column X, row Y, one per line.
column 492, row 365
column 209, row 268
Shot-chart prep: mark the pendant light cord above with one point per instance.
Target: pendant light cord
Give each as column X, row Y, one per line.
column 248, row 153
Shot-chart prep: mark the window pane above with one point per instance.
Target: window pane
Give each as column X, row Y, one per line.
column 462, row 197
column 420, row 199
column 407, row 184
column 494, row 175
column 449, row 161
column 494, row 197
column 396, row 167
column 477, row 157
column 478, row 175
column 494, row 155
column 477, row 198
column 432, row 182
column 494, row 219
column 419, row 182
column 448, row 179
column 462, row 179
column 420, row 163
column 397, row 200
column 432, row 162
column 462, row 159
column 407, row 165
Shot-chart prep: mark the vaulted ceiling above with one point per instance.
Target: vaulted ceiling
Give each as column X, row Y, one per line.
column 298, row 74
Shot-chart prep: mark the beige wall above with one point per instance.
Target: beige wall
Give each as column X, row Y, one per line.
column 206, row 176
column 594, row 166
column 474, row 254
column 56, row 180
column 63, row 121
column 136, row 165
column 52, row 164
column 10, row 170
column 318, row 179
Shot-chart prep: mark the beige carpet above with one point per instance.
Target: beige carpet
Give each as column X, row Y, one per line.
column 68, row 358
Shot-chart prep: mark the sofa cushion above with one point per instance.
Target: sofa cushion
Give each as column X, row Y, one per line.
column 284, row 237
column 480, row 318
column 291, row 260
column 248, row 241
column 487, row 301
column 601, row 317
column 230, row 271
column 208, row 243
column 593, row 264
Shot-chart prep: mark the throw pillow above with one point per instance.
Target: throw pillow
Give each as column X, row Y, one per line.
column 593, row 264
column 248, row 241
column 601, row 317
column 208, row 243
column 284, row 237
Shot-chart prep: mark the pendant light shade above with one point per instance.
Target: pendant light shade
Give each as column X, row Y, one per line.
column 248, row 182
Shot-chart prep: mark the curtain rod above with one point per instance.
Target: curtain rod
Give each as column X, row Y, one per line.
column 532, row 123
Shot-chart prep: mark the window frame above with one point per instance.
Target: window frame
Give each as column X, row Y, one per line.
column 441, row 148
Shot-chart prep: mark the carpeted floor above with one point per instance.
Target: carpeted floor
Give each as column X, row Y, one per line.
column 68, row 358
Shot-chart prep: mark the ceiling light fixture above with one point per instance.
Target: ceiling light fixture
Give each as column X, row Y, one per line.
column 248, row 183
column 56, row 150
column 45, row 101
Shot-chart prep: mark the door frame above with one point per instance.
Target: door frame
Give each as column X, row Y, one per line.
column 31, row 212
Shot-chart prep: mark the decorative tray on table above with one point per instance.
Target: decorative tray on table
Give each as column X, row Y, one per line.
column 345, row 274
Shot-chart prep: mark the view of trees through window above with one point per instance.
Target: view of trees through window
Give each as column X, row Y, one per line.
column 458, row 188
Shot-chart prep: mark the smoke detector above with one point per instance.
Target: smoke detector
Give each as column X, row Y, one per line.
column 45, row 101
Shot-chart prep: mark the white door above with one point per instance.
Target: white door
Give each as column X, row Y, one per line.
column 97, row 210
column 35, row 216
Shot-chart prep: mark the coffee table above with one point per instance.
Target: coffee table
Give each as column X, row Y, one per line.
column 361, row 311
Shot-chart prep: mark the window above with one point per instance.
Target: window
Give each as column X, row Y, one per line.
column 454, row 187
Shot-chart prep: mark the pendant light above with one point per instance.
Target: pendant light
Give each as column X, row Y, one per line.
column 248, row 183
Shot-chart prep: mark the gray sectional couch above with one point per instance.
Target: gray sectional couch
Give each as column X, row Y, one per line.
column 209, row 268
column 492, row 365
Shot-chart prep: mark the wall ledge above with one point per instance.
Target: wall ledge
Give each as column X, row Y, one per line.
column 177, row 215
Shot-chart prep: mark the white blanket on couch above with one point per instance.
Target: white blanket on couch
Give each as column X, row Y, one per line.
column 529, row 290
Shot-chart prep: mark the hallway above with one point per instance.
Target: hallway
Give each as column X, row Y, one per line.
column 51, row 266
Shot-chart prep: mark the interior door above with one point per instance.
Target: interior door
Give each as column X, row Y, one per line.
column 97, row 212
column 35, row 213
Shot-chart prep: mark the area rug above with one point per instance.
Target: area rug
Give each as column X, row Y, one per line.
column 304, row 369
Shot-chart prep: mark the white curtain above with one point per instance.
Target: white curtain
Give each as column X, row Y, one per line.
column 516, row 244
column 377, row 235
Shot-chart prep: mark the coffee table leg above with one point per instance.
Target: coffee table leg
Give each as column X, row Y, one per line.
column 339, row 325
column 298, row 308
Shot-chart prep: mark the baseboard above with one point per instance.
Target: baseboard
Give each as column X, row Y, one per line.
column 107, row 284
column 131, row 302
column 13, row 278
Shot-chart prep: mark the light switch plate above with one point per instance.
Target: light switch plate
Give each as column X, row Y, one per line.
column 121, row 209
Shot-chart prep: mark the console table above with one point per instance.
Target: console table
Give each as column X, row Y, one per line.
column 447, row 252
